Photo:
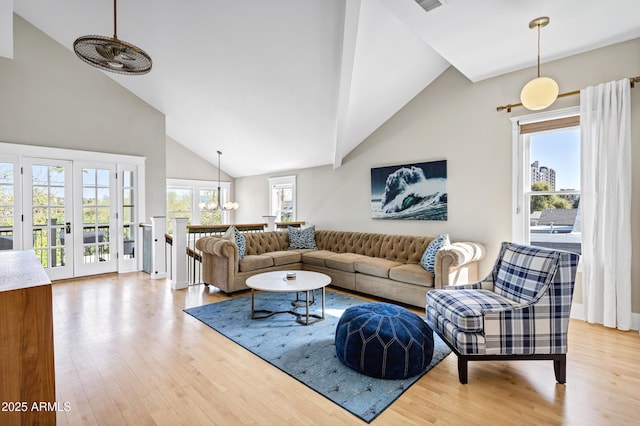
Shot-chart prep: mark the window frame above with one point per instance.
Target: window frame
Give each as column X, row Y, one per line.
column 521, row 165
column 277, row 182
column 195, row 186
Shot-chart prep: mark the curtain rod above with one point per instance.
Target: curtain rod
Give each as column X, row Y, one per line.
column 632, row 80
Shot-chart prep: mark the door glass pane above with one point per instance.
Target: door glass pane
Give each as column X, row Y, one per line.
column 48, row 220
column 6, row 206
column 104, row 215
column 88, row 196
column 95, row 192
column 40, row 196
column 56, row 175
column 40, row 175
column 128, row 215
column 56, row 196
column 89, row 177
column 103, row 196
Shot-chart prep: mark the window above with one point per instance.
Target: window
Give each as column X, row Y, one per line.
column 282, row 198
column 547, row 180
column 179, row 204
column 197, row 201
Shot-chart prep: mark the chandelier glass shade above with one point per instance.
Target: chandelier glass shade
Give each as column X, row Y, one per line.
column 540, row 92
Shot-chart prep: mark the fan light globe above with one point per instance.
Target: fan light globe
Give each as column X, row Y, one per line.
column 539, row 93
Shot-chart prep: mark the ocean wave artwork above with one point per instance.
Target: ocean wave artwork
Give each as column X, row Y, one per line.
column 413, row 191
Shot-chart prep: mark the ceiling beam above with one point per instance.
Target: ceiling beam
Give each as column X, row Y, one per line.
column 349, row 42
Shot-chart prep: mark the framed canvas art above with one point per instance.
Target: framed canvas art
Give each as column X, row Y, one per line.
column 410, row 191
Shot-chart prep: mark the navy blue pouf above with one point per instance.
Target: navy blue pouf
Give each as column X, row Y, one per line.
column 384, row 340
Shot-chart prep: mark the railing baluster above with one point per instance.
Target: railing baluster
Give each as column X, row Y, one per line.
column 195, row 232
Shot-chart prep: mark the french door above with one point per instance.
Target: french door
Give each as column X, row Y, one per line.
column 48, row 216
column 70, row 216
column 95, row 210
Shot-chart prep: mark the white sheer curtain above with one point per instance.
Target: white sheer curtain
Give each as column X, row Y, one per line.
column 605, row 127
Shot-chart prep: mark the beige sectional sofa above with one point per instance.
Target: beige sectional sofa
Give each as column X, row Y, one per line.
column 382, row 265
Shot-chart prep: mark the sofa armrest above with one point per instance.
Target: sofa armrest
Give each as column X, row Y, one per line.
column 218, row 247
column 458, row 263
column 219, row 262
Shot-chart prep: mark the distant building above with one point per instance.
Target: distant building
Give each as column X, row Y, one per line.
column 555, row 221
column 569, row 197
column 543, row 174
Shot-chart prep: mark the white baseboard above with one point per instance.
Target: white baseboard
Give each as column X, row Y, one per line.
column 577, row 312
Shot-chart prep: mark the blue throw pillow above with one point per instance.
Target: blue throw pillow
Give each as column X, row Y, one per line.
column 428, row 260
column 236, row 236
column 302, row 238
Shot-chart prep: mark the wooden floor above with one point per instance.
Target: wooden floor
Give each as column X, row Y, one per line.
column 127, row 354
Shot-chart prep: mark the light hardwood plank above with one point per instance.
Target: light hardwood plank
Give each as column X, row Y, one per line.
column 126, row 353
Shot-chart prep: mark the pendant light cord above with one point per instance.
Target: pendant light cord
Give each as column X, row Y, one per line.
column 538, row 50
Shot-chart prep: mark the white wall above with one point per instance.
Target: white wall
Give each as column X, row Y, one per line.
column 49, row 97
column 182, row 163
column 455, row 120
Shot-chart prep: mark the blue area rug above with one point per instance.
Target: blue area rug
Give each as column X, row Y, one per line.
column 308, row 353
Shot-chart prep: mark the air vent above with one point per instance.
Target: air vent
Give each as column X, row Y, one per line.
column 428, row 5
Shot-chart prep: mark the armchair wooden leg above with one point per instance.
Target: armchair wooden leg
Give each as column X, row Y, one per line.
column 560, row 368
column 462, row 369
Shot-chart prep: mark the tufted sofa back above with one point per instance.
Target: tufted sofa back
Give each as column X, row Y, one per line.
column 404, row 248
column 399, row 248
column 350, row 242
column 263, row 242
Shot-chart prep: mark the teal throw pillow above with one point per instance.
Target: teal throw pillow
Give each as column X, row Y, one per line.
column 236, row 237
column 302, row 238
column 428, row 260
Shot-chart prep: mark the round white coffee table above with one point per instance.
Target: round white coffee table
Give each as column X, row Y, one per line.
column 276, row 282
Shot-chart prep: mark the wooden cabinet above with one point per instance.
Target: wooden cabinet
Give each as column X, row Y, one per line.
column 27, row 372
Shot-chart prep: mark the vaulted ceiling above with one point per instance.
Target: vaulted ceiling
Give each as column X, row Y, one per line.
column 285, row 84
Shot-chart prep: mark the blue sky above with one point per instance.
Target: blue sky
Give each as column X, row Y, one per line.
column 559, row 150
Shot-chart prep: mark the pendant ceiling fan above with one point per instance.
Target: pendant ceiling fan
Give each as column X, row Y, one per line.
column 112, row 54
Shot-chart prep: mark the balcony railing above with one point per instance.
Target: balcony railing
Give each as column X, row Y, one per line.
column 193, row 257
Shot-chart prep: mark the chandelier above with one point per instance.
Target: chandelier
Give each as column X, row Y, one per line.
column 212, row 205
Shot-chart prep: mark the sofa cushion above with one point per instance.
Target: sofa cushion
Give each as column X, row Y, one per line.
column 376, row 267
column 302, row 238
column 412, row 273
column 236, row 236
column 251, row 262
column 465, row 308
column 316, row 257
column 428, row 260
column 284, row 257
column 343, row 261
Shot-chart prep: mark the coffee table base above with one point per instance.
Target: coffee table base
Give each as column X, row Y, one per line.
column 302, row 318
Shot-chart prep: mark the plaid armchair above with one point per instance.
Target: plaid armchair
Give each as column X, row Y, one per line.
column 520, row 311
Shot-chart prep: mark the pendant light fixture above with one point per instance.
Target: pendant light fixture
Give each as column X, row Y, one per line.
column 229, row 205
column 112, row 54
column 540, row 92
